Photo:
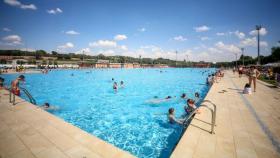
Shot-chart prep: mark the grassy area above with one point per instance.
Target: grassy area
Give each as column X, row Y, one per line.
column 263, row 78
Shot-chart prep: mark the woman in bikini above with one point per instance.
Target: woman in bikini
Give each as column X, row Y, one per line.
column 253, row 75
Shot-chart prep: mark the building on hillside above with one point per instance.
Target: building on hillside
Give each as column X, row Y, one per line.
column 161, row 66
column 127, row 65
column 202, row 64
column 115, row 65
column 102, row 64
column 136, row 65
column 147, row 65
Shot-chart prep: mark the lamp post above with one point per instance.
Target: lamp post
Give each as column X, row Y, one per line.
column 140, row 60
column 242, row 49
column 176, row 58
column 235, row 60
column 258, row 28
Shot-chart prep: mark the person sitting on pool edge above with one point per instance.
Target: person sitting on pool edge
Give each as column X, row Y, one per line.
column 15, row 84
column 171, row 117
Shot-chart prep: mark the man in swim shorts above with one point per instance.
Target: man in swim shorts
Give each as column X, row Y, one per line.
column 15, row 85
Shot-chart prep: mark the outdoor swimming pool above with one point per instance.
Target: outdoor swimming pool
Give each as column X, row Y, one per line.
column 125, row 118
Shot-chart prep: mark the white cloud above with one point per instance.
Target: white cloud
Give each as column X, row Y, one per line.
column 263, row 32
column 143, row 29
column 6, row 29
column 204, row 38
column 84, row 50
column 202, row 28
column 123, row 47
column 72, row 32
column 214, row 50
column 17, row 3
column 66, row 46
column 252, row 42
column 54, row 11
column 203, row 55
column 103, row 44
column 240, row 35
column 28, row 49
column 179, row 38
column 227, row 48
column 12, row 40
column 120, row 37
column 220, row 34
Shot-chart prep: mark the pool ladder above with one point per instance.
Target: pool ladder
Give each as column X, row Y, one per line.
column 13, row 98
column 213, row 115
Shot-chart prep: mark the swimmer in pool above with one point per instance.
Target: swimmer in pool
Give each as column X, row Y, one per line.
column 190, row 107
column 47, row 106
column 122, row 84
column 115, row 86
column 171, row 117
column 197, row 97
column 168, row 97
column 184, row 96
column 156, row 100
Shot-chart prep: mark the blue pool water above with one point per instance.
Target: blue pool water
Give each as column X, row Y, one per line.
column 125, row 118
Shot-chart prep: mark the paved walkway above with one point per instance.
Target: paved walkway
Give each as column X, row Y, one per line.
column 30, row 132
column 248, row 126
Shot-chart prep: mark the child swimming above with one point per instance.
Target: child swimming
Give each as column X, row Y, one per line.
column 47, row 106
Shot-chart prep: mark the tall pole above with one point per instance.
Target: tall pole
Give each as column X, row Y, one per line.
column 258, row 28
column 235, row 60
column 83, row 55
column 176, row 58
column 242, row 49
column 140, row 60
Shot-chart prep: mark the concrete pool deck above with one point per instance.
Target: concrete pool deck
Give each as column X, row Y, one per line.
column 27, row 131
column 248, row 126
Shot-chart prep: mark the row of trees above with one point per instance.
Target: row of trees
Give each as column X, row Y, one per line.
column 248, row 60
column 39, row 54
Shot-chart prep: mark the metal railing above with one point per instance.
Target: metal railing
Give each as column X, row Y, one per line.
column 31, row 99
column 213, row 115
column 215, row 109
column 13, row 98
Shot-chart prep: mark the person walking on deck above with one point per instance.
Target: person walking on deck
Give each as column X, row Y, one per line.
column 253, row 75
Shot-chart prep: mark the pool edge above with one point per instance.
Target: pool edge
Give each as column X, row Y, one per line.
column 80, row 143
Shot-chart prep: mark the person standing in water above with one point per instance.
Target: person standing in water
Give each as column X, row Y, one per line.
column 15, row 85
column 115, row 86
column 172, row 119
column 253, row 75
column 122, row 84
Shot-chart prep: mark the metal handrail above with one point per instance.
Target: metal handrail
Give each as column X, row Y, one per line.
column 13, row 98
column 31, row 99
column 215, row 108
column 213, row 117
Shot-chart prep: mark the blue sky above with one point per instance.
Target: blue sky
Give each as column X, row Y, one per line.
column 209, row 30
